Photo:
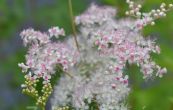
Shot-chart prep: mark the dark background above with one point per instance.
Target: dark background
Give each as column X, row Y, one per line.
column 16, row 15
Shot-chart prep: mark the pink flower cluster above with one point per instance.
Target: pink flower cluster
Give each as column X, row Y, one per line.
column 128, row 46
column 30, row 36
column 95, row 15
column 106, row 45
column 44, row 55
column 121, row 80
column 55, row 31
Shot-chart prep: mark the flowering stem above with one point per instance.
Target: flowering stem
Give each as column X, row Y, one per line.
column 73, row 23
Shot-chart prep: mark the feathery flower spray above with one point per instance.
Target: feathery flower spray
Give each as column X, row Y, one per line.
column 95, row 71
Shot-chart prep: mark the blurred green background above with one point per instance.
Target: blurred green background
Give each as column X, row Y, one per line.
column 16, row 15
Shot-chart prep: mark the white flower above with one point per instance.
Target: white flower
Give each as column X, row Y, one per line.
column 56, row 31
column 24, row 67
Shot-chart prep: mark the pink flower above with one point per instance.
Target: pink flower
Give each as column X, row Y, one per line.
column 56, row 31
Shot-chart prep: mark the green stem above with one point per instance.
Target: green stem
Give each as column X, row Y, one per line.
column 73, row 23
